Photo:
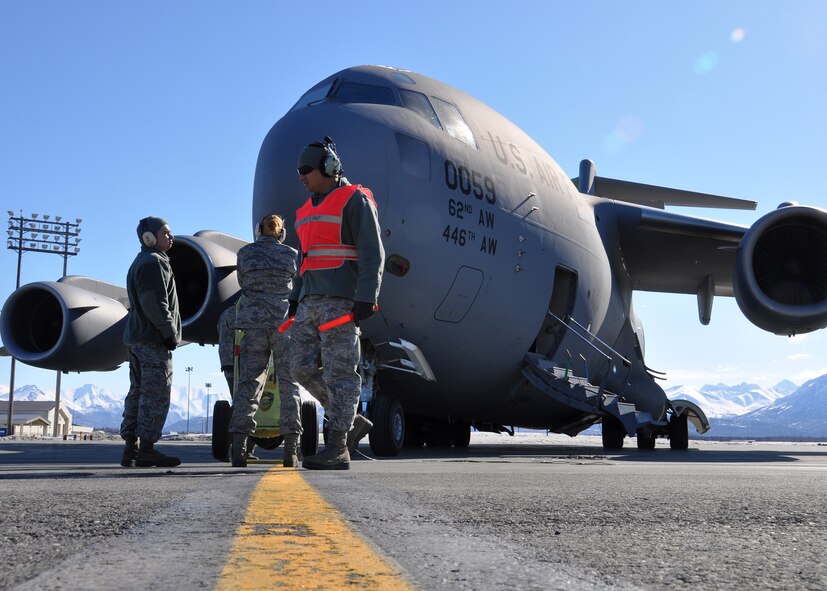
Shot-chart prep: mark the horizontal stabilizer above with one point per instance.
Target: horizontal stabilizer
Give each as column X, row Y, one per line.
column 659, row 197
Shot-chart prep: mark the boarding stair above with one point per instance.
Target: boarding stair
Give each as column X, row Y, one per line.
column 560, row 384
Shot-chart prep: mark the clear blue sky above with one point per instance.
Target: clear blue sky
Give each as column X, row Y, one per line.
column 111, row 111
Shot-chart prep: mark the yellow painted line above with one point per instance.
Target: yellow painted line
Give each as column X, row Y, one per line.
column 292, row 539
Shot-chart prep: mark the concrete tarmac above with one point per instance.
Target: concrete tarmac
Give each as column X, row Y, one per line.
column 528, row 512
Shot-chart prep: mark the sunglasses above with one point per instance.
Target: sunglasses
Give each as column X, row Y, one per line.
column 303, row 170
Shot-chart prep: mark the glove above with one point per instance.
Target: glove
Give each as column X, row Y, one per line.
column 362, row 311
column 171, row 343
column 291, row 308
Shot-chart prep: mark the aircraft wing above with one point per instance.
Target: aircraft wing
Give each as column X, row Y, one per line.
column 667, row 252
column 653, row 195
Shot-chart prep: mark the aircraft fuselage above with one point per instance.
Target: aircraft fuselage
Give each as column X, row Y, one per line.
column 481, row 224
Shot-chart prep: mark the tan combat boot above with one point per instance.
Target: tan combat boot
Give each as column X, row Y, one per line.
column 291, row 450
column 361, row 427
column 334, row 456
column 239, row 451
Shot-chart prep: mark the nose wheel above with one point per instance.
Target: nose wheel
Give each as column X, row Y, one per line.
column 388, row 433
column 310, row 428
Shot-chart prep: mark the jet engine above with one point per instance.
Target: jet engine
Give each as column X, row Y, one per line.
column 780, row 278
column 205, row 277
column 77, row 323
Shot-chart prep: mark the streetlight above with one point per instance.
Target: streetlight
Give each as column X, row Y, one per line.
column 30, row 234
column 208, row 385
column 189, row 375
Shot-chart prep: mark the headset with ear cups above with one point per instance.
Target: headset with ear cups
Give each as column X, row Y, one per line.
column 148, row 239
column 330, row 165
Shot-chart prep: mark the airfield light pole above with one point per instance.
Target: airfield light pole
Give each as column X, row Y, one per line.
column 208, row 385
column 37, row 233
column 189, row 375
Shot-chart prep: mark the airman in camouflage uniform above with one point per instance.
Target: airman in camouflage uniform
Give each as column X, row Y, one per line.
column 153, row 331
column 265, row 272
column 340, row 274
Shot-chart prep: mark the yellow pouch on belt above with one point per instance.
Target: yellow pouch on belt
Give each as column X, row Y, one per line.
column 268, row 415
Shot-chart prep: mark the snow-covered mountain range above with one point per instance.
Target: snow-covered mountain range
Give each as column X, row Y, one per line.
column 803, row 413
column 721, row 400
column 745, row 410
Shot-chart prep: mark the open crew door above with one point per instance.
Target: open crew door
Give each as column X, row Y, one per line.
column 561, row 305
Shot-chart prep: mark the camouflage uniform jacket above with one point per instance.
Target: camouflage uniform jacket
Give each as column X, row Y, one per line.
column 153, row 300
column 265, row 272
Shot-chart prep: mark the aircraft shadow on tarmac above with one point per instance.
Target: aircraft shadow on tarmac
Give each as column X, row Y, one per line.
column 533, row 452
column 53, row 460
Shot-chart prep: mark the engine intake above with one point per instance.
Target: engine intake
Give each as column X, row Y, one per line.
column 63, row 326
column 780, row 278
column 206, row 281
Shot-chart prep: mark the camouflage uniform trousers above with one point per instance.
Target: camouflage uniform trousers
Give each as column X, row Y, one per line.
column 147, row 403
column 254, row 355
column 326, row 363
column 226, row 344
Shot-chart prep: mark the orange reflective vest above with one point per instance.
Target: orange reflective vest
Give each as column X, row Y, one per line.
column 320, row 230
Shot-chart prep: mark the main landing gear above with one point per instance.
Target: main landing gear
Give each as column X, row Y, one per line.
column 676, row 429
column 393, row 429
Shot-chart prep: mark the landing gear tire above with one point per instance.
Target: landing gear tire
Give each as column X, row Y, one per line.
column 645, row 441
column 388, row 433
column 461, row 435
column 310, row 428
column 222, row 411
column 679, row 432
column 613, row 433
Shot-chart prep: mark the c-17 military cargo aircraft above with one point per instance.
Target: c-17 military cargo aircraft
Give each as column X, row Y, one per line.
column 507, row 294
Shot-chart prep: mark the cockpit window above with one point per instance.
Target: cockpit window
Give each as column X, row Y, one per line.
column 438, row 112
column 418, row 102
column 453, row 122
column 354, row 92
column 314, row 95
column 403, row 78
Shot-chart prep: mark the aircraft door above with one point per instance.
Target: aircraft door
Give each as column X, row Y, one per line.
column 561, row 305
column 414, row 157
